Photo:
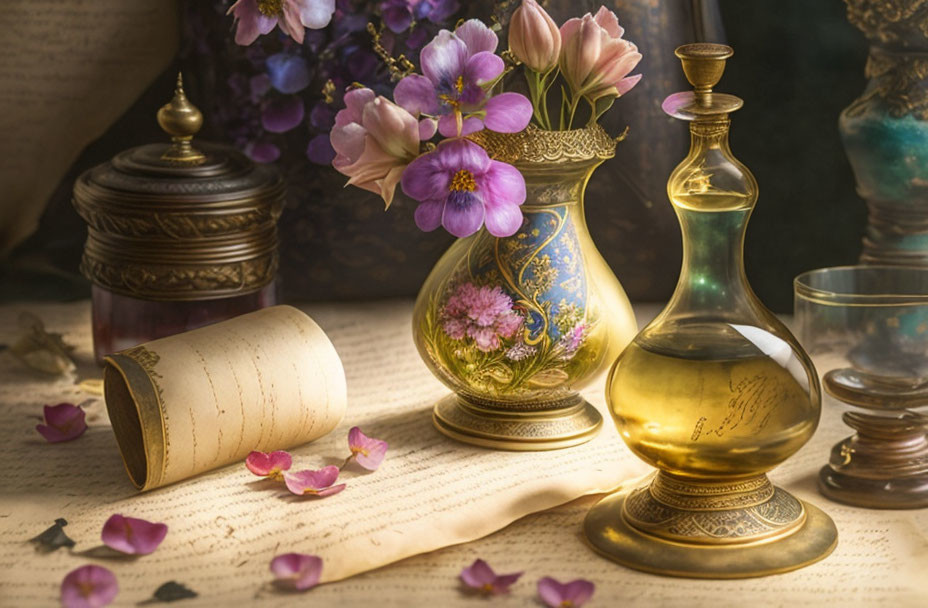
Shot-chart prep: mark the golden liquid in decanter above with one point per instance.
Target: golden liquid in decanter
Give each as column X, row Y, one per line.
column 717, row 410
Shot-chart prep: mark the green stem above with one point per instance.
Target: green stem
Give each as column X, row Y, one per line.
column 574, row 102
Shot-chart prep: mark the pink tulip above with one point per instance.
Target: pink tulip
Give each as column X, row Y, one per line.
column 534, row 38
column 374, row 139
column 595, row 59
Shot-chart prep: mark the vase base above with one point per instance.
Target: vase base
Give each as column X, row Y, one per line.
column 710, row 530
column 524, row 431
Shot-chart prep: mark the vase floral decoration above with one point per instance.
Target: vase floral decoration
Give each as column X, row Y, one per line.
column 522, row 310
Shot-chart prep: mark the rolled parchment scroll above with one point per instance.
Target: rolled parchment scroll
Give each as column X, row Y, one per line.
column 183, row 405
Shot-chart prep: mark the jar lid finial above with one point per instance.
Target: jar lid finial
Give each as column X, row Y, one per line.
column 181, row 120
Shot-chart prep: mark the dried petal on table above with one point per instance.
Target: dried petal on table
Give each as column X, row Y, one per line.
column 88, row 587
column 565, row 595
column 315, row 483
column 63, row 422
column 53, row 538
column 296, row 571
column 131, row 535
column 173, row 591
column 270, row 465
column 480, row 576
column 366, row 451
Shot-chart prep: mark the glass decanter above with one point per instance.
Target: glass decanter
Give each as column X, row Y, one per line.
column 715, row 391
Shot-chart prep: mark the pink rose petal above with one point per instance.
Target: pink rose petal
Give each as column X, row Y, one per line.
column 88, row 587
column 367, row 451
column 63, row 422
column 297, row 570
column 480, row 576
column 269, row 465
column 557, row 595
column 132, row 536
column 315, row 483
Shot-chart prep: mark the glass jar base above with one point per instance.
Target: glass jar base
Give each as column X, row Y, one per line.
column 524, row 431
column 710, row 530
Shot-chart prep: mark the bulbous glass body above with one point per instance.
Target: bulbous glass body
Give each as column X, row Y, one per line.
column 524, row 321
column 715, row 386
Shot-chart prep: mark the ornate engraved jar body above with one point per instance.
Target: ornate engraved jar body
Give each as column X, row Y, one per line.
column 516, row 325
column 715, row 391
column 180, row 235
column 885, row 130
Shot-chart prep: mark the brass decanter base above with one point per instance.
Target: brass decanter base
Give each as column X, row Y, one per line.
column 883, row 466
column 707, row 529
column 517, row 429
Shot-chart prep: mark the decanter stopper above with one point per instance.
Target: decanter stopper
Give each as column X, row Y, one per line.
column 181, row 120
column 703, row 65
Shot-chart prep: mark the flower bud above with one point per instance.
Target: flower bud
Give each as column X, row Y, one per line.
column 595, row 60
column 534, row 37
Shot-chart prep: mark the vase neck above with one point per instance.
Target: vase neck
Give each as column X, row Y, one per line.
column 556, row 184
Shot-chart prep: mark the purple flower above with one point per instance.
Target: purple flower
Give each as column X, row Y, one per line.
column 314, row 483
column 480, row 576
column 435, row 11
column 262, row 151
column 288, row 73
column 320, row 150
column 482, row 313
column 519, row 351
column 257, row 17
column 366, row 451
column 565, row 595
column 270, row 465
column 132, row 536
column 573, row 339
column 460, row 188
column 283, row 114
column 63, row 422
column 397, row 14
column 297, row 571
column 457, row 70
column 88, row 587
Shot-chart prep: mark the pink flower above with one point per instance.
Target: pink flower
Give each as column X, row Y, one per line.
column 257, row 17
column 366, row 451
column 595, row 59
column 132, row 536
column 315, row 483
column 63, row 422
column 297, row 571
column 565, row 595
column 484, row 314
column 480, row 576
column 374, row 139
column 534, row 37
column 88, row 587
column 459, row 187
column 269, row 465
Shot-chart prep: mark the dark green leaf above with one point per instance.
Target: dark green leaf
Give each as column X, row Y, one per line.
column 53, row 538
column 173, row 591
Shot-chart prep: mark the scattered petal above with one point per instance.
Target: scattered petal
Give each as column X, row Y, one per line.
column 132, row 536
column 296, row 571
column 480, row 576
column 173, row 591
column 367, row 451
column 88, row 587
column 53, row 538
column 63, row 422
column 314, row 483
column 565, row 595
column 270, row 465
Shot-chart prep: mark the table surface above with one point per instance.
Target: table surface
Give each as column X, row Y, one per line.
column 882, row 556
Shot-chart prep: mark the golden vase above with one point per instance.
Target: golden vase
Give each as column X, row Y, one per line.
column 515, row 326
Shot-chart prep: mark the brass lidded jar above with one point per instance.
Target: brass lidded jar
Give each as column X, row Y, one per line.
column 715, row 391
column 181, row 234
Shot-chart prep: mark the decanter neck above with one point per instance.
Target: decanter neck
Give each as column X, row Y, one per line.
column 712, row 278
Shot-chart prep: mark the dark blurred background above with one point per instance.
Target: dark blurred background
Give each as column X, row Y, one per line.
column 797, row 64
